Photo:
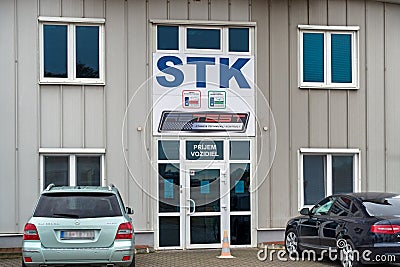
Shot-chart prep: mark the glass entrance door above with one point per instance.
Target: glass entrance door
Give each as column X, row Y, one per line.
column 206, row 206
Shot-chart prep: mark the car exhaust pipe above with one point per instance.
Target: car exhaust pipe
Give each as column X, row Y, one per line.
column 110, row 265
column 43, row 265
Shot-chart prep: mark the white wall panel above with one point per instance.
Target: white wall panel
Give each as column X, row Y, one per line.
column 280, row 107
column 93, row 8
column 219, row 10
column 50, row 116
column 299, row 124
column 375, row 90
column 178, row 9
column 28, row 123
column 357, row 125
column 239, row 10
column 7, row 119
column 392, row 95
column 94, row 117
column 72, row 8
column 72, row 116
column 264, row 150
column 50, row 8
column 198, row 10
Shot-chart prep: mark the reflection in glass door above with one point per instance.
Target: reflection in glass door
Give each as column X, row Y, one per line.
column 205, row 206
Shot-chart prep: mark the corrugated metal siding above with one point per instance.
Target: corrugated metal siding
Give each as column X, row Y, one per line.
column 55, row 116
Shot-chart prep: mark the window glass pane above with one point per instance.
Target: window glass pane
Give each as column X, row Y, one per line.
column 240, row 185
column 240, row 230
column 342, row 174
column 205, row 189
column 205, row 229
column 168, row 187
column 56, row 171
column 341, row 58
column 341, row 207
column 203, row 38
column 238, row 39
column 169, row 231
column 88, row 171
column 87, row 52
column 322, row 208
column 167, row 37
column 314, row 178
column 55, row 51
column 313, row 57
column 168, row 150
column 204, row 150
column 239, row 150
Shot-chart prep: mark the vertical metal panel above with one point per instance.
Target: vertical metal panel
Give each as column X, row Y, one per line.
column 50, row 116
column 219, row 10
column 392, row 95
column 357, row 126
column 94, row 117
column 280, row 106
column 7, row 118
column 198, row 9
column 299, row 124
column 318, row 99
column 50, row 8
column 375, row 78
column 157, row 9
column 93, row 8
column 72, row 8
column 260, row 15
column 239, row 10
column 337, row 98
column 28, row 124
column 178, row 9
column 140, row 181
column 72, row 116
column 115, row 92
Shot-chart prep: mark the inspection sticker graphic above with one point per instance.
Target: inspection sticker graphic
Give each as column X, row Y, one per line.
column 216, row 99
column 191, row 98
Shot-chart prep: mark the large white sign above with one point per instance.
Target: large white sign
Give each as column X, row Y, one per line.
column 203, row 95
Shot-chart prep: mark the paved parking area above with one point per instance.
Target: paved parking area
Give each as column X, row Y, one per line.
column 200, row 258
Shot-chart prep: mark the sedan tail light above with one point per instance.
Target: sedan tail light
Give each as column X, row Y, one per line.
column 125, row 231
column 389, row 229
column 30, row 232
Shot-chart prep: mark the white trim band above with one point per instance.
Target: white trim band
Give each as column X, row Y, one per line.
column 72, row 20
column 72, row 150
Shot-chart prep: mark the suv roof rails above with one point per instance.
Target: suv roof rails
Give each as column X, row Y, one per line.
column 110, row 187
column 49, row 187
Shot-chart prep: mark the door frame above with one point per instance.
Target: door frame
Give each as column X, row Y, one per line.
column 224, row 202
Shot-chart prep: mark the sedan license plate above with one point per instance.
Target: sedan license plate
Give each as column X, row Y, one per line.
column 72, row 235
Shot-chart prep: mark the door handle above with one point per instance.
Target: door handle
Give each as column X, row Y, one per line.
column 194, row 207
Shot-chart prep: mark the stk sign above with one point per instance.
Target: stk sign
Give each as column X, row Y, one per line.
column 216, row 85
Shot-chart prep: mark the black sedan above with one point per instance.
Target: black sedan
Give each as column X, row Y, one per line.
column 357, row 227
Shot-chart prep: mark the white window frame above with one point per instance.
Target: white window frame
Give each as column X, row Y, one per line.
column 71, row 24
column 328, row 153
column 328, row 31
column 72, row 154
column 222, row 26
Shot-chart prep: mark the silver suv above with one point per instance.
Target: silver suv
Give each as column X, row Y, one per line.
column 79, row 225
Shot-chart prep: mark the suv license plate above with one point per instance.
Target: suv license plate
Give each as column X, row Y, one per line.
column 71, row 235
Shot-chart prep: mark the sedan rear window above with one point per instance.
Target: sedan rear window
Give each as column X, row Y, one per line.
column 78, row 205
column 383, row 207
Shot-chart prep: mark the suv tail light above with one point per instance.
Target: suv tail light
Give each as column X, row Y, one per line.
column 389, row 229
column 30, row 232
column 124, row 231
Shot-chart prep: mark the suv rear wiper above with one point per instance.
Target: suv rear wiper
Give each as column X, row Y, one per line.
column 66, row 215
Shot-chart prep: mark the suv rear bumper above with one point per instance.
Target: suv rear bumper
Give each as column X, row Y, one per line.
column 59, row 256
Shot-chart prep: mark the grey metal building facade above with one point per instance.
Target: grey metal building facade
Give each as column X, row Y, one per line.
column 314, row 135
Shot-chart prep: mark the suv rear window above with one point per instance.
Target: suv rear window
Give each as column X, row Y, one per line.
column 77, row 205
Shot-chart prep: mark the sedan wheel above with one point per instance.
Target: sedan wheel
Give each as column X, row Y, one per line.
column 291, row 242
column 348, row 255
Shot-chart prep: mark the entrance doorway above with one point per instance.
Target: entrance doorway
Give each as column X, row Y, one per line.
column 200, row 198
